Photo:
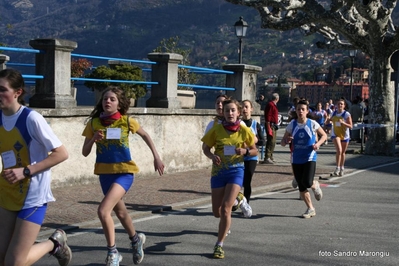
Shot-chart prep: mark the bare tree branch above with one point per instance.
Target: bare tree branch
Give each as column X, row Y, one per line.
column 365, row 25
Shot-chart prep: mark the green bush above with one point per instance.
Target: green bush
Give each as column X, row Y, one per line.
column 118, row 72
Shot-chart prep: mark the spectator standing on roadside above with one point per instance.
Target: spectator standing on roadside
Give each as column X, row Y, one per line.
column 301, row 134
column 341, row 124
column 231, row 141
column 29, row 148
column 366, row 118
column 109, row 129
column 271, row 127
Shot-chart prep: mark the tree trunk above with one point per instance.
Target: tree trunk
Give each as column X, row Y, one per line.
column 381, row 140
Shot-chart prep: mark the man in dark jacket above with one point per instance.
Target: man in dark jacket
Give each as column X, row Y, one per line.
column 271, row 126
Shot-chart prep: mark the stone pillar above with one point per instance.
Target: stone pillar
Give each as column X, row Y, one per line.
column 3, row 61
column 244, row 80
column 54, row 63
column 164, row 94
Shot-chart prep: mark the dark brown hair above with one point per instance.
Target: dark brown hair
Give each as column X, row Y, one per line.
column 224, row 96
column 124, row 102
column 303, row 102
column 250, row 103
column 16, row 82
column 226, row 102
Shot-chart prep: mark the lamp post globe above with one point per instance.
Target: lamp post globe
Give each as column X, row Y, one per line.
column 241, row 30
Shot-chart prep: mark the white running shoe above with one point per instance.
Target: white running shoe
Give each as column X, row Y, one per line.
column 336, row 172
column 245, row 208
column 239, row 199
column 309, row 213
column 137, row 248
column 113, row 259
column 318, row 194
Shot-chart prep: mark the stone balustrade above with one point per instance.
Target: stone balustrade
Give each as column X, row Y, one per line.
column 176, row 132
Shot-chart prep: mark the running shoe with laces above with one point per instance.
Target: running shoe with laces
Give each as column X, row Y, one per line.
column 294, row 183
column 62, row 252
column 268, row 161
column 245, row 208
column 341, row 172
column 318, row 194
column 138, row 252
column 309, row 213
column 239, row 199
column 336, row 172
column 113, row 259
column 218, row 252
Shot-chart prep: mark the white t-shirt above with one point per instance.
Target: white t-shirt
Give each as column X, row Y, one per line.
column 315, row 126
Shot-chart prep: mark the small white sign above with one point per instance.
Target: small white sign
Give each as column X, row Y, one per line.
column 9, row 159
column 114, row 133
column 229, row 150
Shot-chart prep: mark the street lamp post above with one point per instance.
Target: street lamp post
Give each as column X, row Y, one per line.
column 241, row 30
column 352, row 54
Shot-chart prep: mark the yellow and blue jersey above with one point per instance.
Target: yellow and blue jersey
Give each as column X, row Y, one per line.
column 113, row 155
column 220, row 139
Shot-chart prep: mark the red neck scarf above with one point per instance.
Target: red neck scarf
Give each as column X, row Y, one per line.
column 233, row 127
column 107, row 120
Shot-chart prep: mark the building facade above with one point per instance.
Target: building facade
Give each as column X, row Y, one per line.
column 321, row 91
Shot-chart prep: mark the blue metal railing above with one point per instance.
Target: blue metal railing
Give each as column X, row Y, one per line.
column 21, row 50
column 33, row 76
column 193, row 69
column 206, row 70
column 116, row 81
column 202, row 70
column 206, row 87
column 20, row 64
column 113, row 58
column 116, row 59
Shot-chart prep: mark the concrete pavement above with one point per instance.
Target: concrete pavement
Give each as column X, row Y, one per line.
column 356, row 224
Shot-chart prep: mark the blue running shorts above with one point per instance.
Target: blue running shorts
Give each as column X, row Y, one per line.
column 35, row 214
column 125, row 180
column 228, row 176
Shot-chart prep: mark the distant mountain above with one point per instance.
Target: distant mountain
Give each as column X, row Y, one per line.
column 133, row 28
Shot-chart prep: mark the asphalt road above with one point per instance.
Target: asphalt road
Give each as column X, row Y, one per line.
column 356, row 224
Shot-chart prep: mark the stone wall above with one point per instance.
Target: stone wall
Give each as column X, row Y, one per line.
column 176, row 134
